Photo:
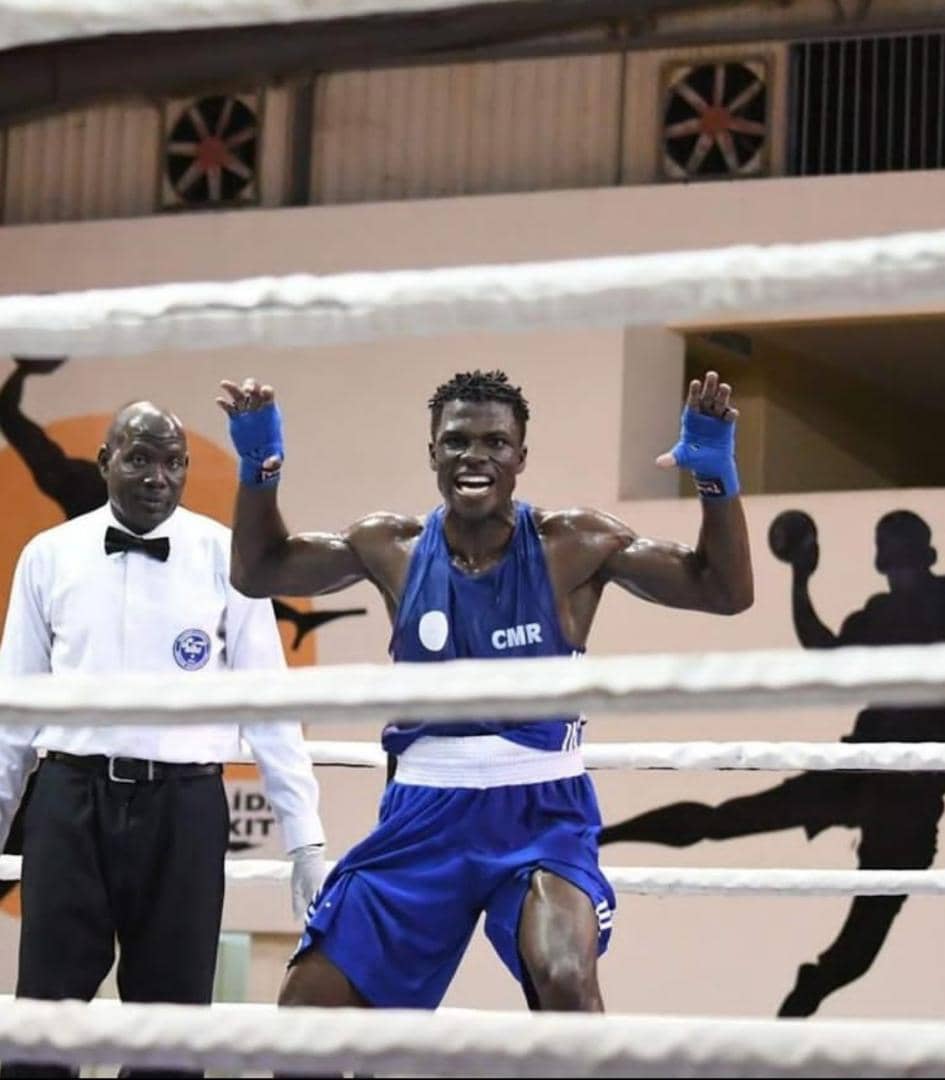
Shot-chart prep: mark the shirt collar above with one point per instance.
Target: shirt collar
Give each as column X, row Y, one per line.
column 168, row 527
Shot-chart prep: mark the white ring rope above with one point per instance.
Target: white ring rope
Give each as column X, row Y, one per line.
column 28, row 22
column 771, row 756
column 661, row 880
column 731, row 881
column 669, row 289
column 456, row 689
column 237, row 1038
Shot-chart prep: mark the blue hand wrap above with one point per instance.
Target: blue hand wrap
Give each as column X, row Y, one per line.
column 707, row 447
column 257, row 435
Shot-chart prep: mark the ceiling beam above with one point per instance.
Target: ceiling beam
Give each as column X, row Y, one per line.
column 70, row 74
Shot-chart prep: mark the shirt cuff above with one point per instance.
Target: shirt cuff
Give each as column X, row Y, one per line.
column 299, row 831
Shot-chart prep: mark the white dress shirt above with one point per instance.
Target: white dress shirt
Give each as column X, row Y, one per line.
column 74, row 608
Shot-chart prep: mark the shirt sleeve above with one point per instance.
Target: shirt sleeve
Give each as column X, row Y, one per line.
column 24, row 650
column 27, row 636
column 253, row 643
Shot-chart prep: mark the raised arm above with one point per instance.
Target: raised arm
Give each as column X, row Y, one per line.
column 713, row 576
column 266, row 559
column 716, row 574
column 811, row 631
column 42, row 455
column 792, row 538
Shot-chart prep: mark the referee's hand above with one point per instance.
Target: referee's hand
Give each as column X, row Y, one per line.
column 308, row 873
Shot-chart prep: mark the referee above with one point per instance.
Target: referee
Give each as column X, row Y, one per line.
column 126, row 832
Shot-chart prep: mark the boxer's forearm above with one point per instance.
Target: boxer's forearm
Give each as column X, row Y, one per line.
column 811, row 632
column 725, row 555
column 260, row 540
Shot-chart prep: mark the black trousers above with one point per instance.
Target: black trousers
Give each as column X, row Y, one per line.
column 141, row 863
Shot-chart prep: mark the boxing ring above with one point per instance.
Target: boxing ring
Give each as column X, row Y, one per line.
column 466, row 1042
column 852, row 277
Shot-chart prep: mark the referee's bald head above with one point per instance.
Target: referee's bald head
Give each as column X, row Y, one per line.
column 144, row 464
column 143, row 418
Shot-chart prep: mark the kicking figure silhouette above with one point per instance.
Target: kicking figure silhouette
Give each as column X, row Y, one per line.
column 897, row 813
column 307, row 621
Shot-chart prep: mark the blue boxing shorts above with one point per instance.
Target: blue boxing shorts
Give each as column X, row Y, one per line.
column 397, row 912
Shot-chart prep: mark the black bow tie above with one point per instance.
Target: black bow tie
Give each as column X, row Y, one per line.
column 116, row 540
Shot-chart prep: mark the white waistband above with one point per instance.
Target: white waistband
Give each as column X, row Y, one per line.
column 482, row 761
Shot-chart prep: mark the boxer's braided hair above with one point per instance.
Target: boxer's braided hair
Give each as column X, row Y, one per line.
column 479, row 386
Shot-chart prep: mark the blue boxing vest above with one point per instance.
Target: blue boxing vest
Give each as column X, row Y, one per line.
column 508, row 612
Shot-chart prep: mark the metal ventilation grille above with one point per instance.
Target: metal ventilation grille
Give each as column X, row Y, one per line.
column 715, row 120
column 211, row 151
column 868, row 105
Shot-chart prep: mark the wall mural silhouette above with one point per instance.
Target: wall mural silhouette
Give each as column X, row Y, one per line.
column 76, row 486
column 897, row 813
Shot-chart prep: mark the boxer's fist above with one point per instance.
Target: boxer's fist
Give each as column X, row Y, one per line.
column 256, row 430
column 792, row 538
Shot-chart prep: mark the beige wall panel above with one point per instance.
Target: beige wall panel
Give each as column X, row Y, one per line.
column 275, row 148
column 654, row 370
column 644, row 103
column 443, row 232
column 86, row 164
column 458, row 129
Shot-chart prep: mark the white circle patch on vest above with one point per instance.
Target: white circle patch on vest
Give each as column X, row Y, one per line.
column 433, row 630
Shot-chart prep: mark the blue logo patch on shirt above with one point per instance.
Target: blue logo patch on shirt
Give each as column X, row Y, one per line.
column 191, row 649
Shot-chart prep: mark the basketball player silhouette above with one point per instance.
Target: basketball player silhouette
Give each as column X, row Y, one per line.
column 897, row 813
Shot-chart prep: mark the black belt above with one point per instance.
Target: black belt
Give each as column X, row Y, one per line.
column 129, row 770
